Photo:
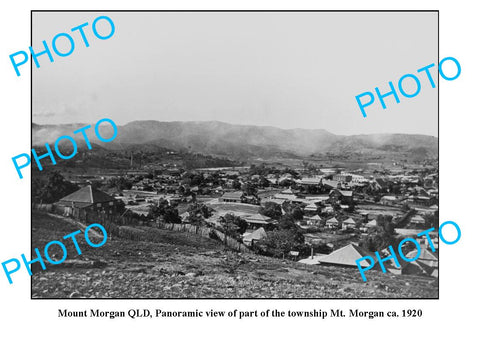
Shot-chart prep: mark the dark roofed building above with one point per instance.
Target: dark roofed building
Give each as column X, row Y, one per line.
column 88, row 198
column 342, row 196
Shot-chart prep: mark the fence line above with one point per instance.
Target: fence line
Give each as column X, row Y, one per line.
column 207, row 233
column 119, row 225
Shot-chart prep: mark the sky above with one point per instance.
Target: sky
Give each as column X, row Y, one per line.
column 282, row 69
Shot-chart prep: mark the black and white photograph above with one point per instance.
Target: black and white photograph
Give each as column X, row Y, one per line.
column 235, row 154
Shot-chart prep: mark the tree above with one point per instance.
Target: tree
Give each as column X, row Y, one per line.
column 171, row 215
column 431, row 220
column 287, row 222
column 249, row 188
column 263, row 182
column 233, row 225
column 198, row 213
column 236, row 184
column 272, row 210
column 287, row 207
column 120, row 183
column 197, row 179
column 382, row 236
column 163, row 209
column 380, row 220
column 53, row 189
column 279, row 242
column 297, row 213
column 200, row 209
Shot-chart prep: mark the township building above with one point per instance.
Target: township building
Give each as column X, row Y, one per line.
column 342, row 196
column 349, row 178
column 310, row 181
column 232, row 197
column 250, row 237
column 348, row 224
column 342, row 177
column 389, row 200
column 421, row 200
column 345, row 257
column 313, row 221
column 257, row 220
column 312, row 207
column 88, row 198
column 332, row 223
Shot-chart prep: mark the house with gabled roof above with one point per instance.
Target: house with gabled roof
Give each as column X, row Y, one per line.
column 312, row 207
column 349, row 223
column 370, row 224
column 290, row 191
column 427, row 259
column 314, row 220
column 417, row 220
column 332, row 223
column 257, row 235
column 425, row 264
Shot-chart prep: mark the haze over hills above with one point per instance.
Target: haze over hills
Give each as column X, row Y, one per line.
column 243, row 141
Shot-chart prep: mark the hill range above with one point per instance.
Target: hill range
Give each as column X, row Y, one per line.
column 246, row 141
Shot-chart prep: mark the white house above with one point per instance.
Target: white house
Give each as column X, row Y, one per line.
column 348, row 224
column 332, row 223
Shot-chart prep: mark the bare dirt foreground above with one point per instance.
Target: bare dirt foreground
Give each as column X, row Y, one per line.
column 181, row 265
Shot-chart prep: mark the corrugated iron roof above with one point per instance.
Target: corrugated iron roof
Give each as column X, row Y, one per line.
column 347, row 256
column 87, row 195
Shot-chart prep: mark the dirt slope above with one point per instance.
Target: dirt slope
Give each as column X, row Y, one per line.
column 181, row 265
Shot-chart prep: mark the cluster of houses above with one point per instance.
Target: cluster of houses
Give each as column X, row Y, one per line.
column 426, row 262
column 333, row 204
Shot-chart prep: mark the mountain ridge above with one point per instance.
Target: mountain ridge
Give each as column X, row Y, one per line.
column 243, row 141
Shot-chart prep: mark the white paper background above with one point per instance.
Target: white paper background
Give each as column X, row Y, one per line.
column 453, row 315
